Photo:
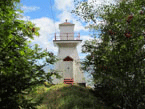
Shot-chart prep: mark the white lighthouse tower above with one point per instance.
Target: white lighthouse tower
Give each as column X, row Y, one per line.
column 68, row 65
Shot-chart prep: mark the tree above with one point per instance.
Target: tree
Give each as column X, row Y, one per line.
column 19, row 71
column 117, row 63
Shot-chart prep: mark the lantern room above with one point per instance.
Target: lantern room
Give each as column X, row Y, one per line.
column 67, row 32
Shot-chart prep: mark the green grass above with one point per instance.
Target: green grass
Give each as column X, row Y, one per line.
column 65, row 96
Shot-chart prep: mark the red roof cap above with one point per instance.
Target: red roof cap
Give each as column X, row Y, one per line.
column 67, row 23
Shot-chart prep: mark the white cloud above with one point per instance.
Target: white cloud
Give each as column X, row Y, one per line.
column 29, row 8
column 102, row 2
column 46, row 25
column 64, row 4
column 65, row 15
column 70, row 18
column 79, row 26
column 86, row 38
column 47, row 29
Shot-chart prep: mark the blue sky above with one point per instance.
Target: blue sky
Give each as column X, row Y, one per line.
column 48, row 14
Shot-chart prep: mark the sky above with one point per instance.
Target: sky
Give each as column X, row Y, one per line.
column 48, row 14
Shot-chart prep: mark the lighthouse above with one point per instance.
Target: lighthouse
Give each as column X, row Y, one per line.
column 68, row 65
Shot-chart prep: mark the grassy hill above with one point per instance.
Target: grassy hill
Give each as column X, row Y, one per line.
column 65, row 96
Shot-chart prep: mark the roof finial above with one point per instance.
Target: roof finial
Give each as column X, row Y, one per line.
column 66, row 20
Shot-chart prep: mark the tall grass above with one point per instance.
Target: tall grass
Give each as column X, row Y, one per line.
column 65, row 96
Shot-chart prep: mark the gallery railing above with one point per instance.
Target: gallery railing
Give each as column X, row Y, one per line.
column 67, row 36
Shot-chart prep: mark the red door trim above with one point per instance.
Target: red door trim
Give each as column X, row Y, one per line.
column 68, row 59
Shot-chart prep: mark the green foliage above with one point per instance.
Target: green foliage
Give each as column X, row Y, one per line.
column 120, row 56
column 19, row 71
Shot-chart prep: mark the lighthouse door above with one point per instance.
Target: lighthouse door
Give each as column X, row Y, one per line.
column 68, row 67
